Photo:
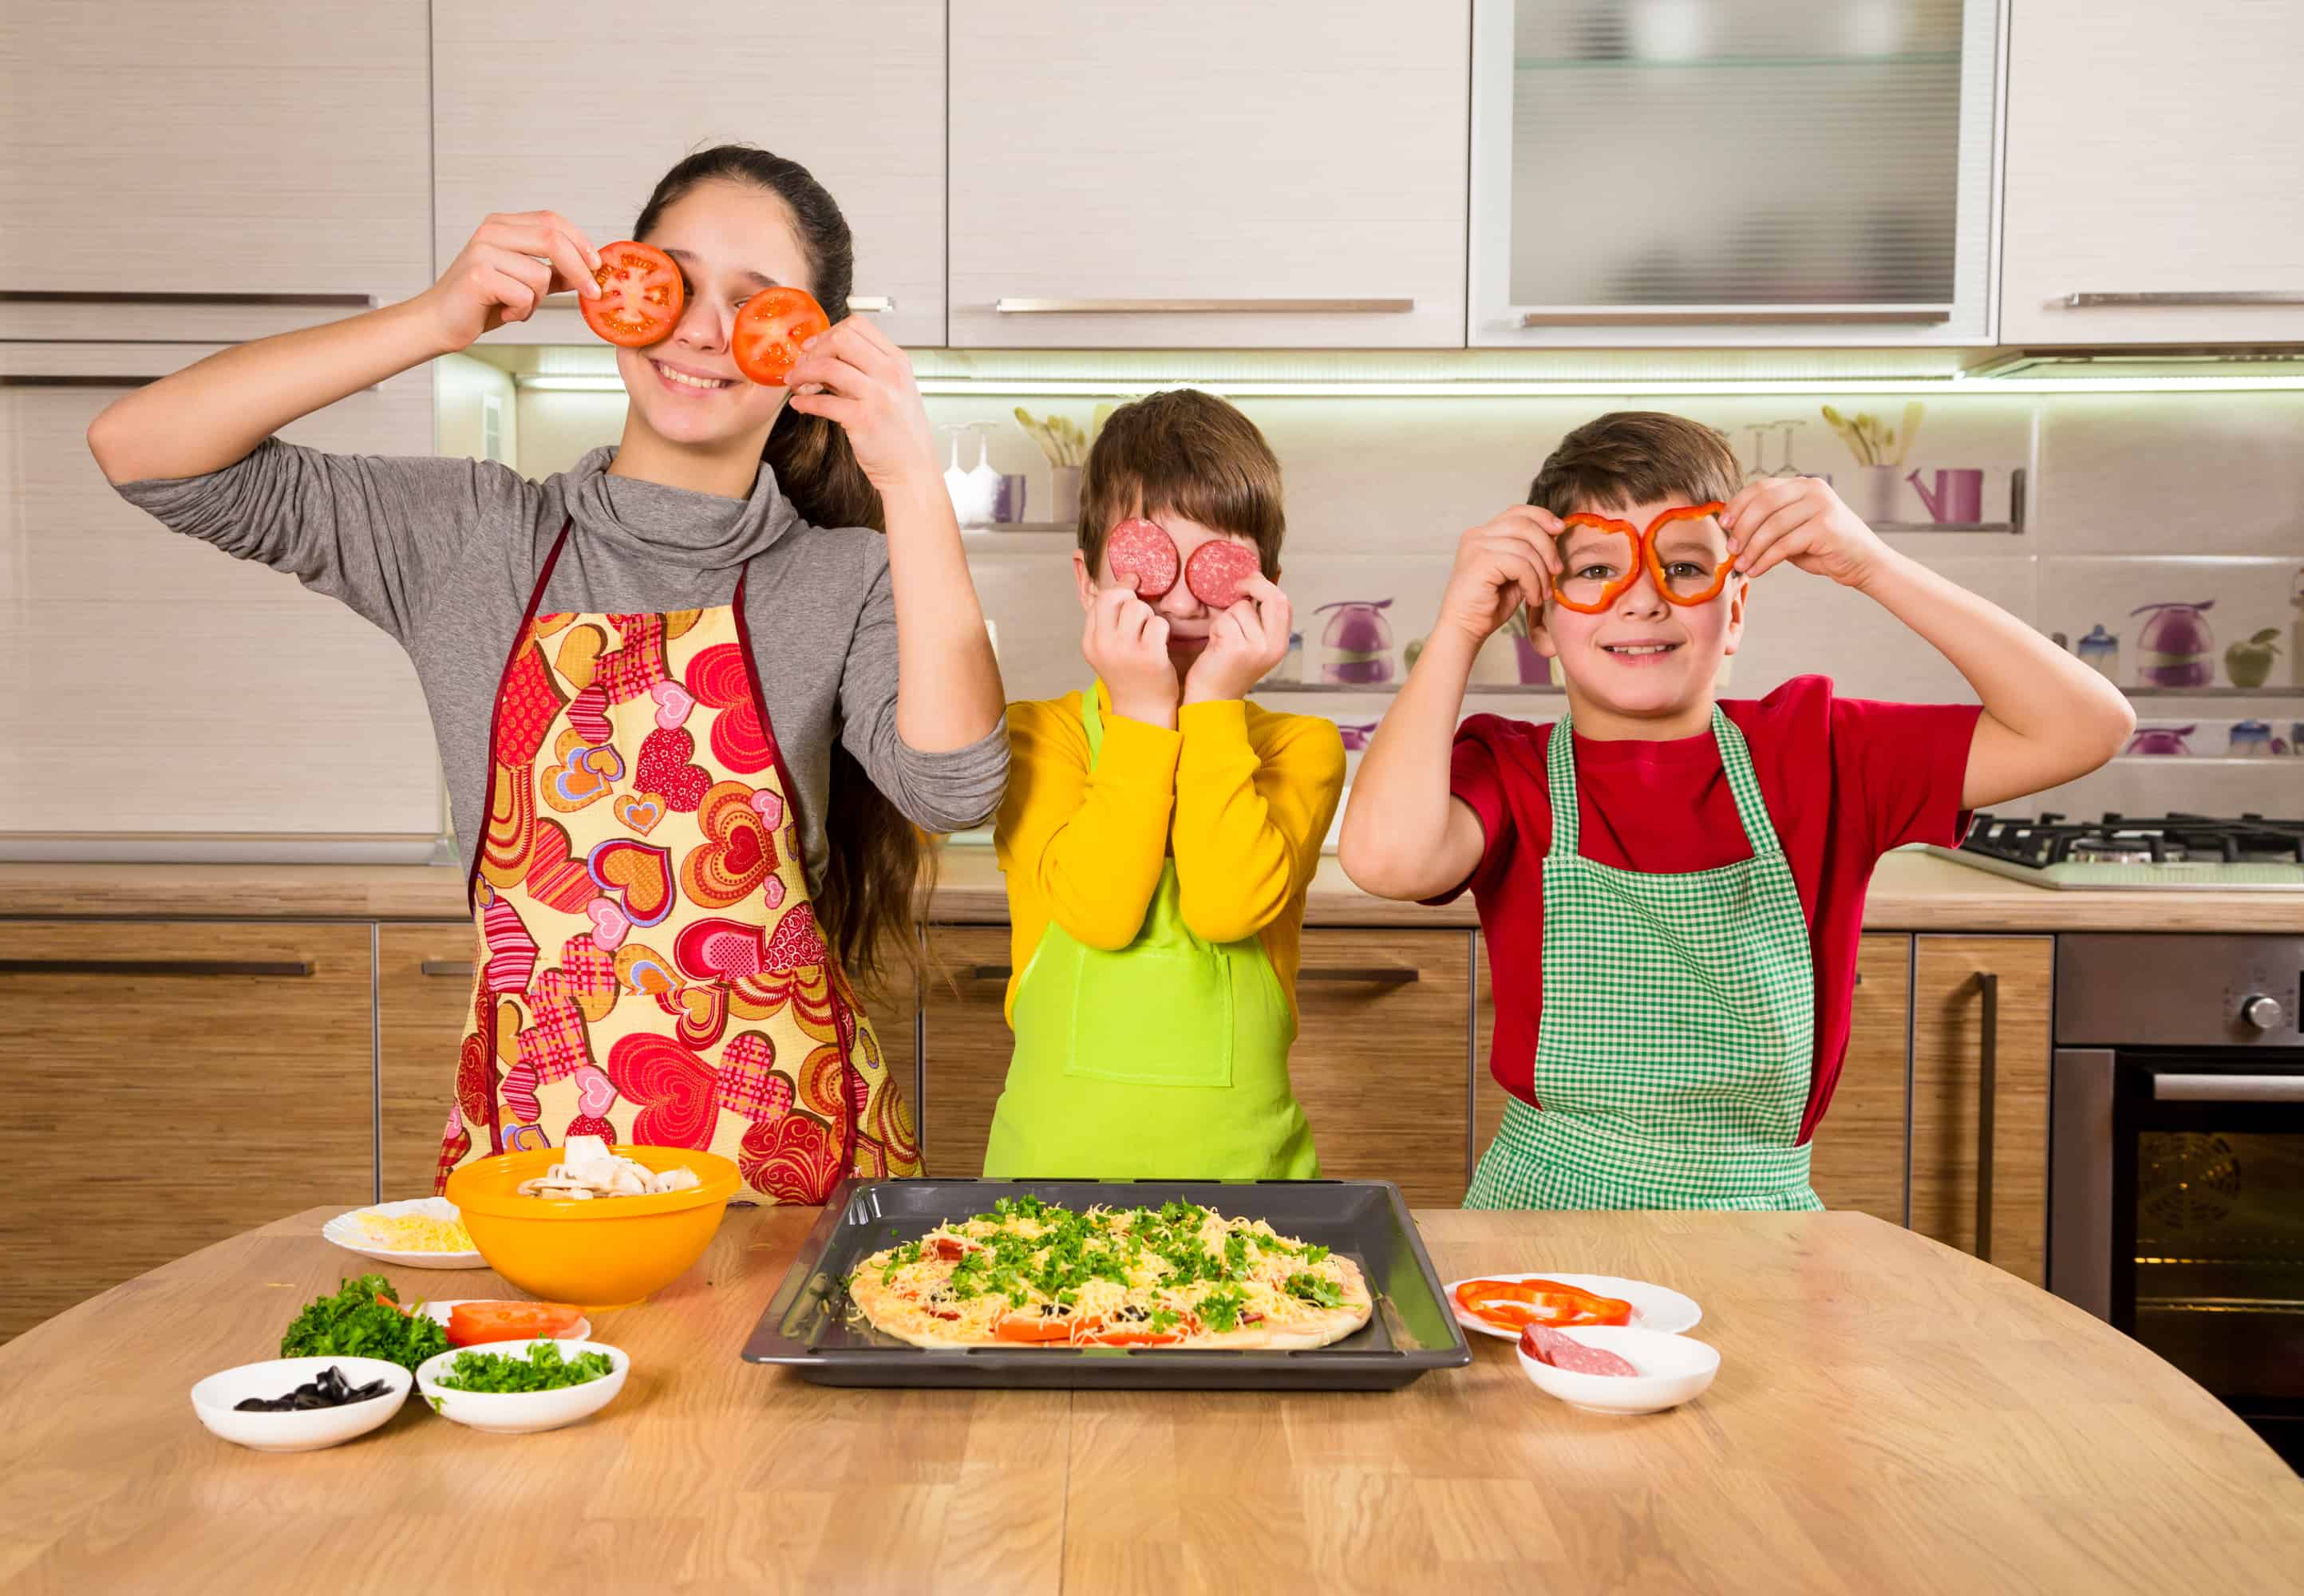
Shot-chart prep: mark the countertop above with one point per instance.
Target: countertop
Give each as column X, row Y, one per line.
column 1890, row 1415
column 1911, row 891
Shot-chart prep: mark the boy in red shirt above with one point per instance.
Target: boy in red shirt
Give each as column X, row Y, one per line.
column 1678, row 884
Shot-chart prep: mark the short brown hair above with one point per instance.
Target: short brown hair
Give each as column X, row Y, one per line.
column 1636, row 457
column 1187, row 453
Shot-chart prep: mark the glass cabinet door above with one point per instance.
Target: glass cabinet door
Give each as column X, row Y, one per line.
column 1726, row 172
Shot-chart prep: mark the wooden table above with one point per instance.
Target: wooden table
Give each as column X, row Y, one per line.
column 1890, row 1415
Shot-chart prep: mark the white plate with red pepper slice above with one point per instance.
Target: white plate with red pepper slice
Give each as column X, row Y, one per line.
column 1654, row 1307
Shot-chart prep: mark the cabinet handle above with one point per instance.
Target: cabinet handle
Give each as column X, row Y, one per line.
column 876, row 303
column 1675, row 316
column 154, row 967
column 991, row 972
column 1381, row 974
column 35, row 296
column 2228, row 1088
column 1986, row 1096
column 1278, row 306
column 2120, row 301
column 460, row 968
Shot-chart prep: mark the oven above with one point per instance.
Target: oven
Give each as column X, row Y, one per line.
column 2176, row 1162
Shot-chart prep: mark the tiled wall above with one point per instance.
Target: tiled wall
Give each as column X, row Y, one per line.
column 2133, row 499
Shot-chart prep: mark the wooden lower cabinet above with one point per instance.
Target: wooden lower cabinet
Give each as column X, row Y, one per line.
column 1980, row 1001
column 183, row 1081
column 1381, row 1062
column 424, row 998
column 1858, row 1158
column 965, row 1043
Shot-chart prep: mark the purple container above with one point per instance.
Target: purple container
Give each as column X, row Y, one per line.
column 2176, row 648
column 1372, row 672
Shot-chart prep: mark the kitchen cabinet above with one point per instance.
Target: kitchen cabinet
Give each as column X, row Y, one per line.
column 210, row 172
column 1750, row 172
column 1202, row 174
column 1861, row 1155
column 574, row 108
column 1979, row 1129
column 964, row 1044
column 172, row 1084
column 158, row 684
column 2151, row 174
column 1381, row 1063
column 423, row 1001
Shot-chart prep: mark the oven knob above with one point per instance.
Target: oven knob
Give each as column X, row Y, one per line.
column 2262, row 1012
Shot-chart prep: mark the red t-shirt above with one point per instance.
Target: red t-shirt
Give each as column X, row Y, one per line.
column 1844, row 780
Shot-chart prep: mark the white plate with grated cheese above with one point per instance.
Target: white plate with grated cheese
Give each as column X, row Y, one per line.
column 417, row 1234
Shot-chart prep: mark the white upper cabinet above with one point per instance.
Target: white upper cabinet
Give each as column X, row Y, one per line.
column 2154, row 173
column 1205, row 174
column 209, row 172
column 580, row 106
column 1731, row 172
column 157, row 684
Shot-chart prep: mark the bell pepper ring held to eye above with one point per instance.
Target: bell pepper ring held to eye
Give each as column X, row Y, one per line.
column 1640, row 549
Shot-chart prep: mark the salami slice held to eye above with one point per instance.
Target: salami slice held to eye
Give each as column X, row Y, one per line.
column 1216, row 569
column 1142, row 549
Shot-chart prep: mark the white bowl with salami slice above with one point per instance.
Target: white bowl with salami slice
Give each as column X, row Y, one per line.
column 1654, row 1307
column 1616, row 1368
column 417, row 1234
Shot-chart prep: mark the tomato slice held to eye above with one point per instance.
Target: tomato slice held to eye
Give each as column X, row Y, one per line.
column 472, row 1324
column 770, row 329
column 641, row 296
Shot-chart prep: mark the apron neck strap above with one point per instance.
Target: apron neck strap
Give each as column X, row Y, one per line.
column 1735, row 761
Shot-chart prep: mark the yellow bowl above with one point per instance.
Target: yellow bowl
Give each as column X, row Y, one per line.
column 604, row 1253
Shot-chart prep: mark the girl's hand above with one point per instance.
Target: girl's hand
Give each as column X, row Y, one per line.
column 1126, row 644
column 1500, row 566
column 504, row 270
column 1800, row 520
column 856, row 375
column 1245, row 643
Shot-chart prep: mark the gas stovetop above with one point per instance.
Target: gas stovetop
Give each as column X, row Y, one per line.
column 2129, row 851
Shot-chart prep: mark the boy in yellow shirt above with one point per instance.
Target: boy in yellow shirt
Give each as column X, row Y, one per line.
column 1159, row 831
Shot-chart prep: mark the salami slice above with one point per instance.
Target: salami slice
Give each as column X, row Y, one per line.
column 1216, row 569
column 1143, row 550
column 1564, row 1351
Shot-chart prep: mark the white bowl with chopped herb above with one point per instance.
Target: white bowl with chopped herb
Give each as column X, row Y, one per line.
column 516, row 1388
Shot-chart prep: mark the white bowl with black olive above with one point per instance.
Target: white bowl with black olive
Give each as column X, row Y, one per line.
column 478, row 1386
column 318, row 1415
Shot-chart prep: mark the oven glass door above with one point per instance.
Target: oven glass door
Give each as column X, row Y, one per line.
column 2208, row 1216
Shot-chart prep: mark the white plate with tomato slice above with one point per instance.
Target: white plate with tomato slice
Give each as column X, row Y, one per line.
column 483, row 1320
column 1654, row 1307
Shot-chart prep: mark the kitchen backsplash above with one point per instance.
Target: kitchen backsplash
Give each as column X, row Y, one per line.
column 2194, row 502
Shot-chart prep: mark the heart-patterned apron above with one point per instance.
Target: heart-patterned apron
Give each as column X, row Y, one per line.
column 651, row 968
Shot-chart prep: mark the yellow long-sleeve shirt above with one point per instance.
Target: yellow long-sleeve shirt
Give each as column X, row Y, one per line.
column 1242, row 796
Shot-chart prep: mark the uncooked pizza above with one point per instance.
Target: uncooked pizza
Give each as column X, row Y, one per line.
column 1032, row 1274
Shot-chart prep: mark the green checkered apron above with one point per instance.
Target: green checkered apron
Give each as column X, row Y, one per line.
column 1674, row 1050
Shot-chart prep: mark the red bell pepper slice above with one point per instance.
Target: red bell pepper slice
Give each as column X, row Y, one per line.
column 1515, row 1305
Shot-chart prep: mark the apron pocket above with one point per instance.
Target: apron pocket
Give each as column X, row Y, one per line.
column 1153, row 1016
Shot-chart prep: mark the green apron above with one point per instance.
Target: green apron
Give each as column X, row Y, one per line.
column 1165, row 1059
column 1677, row 1040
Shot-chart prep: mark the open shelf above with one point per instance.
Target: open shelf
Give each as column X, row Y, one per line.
column 2013, row 525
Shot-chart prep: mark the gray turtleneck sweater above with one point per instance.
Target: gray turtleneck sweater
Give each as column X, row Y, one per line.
column 443, row 554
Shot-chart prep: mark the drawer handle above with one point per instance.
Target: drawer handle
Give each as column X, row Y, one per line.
column 1275, row 307
column 2228, row 1088
column 1675, row 316
column 991, row 972
column 1382, row 974
column 459, row 968
column 154, row 967
column 326, row 301
column 2117, row 301
column 1986, row 1098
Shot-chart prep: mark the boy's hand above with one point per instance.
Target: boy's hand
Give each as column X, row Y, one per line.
column 1500, row 566
column 1126, row 644
column 1245, row 643
column 1800, row 520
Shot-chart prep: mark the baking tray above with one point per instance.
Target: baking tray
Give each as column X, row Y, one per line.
column 806, row 1326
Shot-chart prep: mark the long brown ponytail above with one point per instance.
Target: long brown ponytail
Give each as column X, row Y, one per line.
column 879, row 867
